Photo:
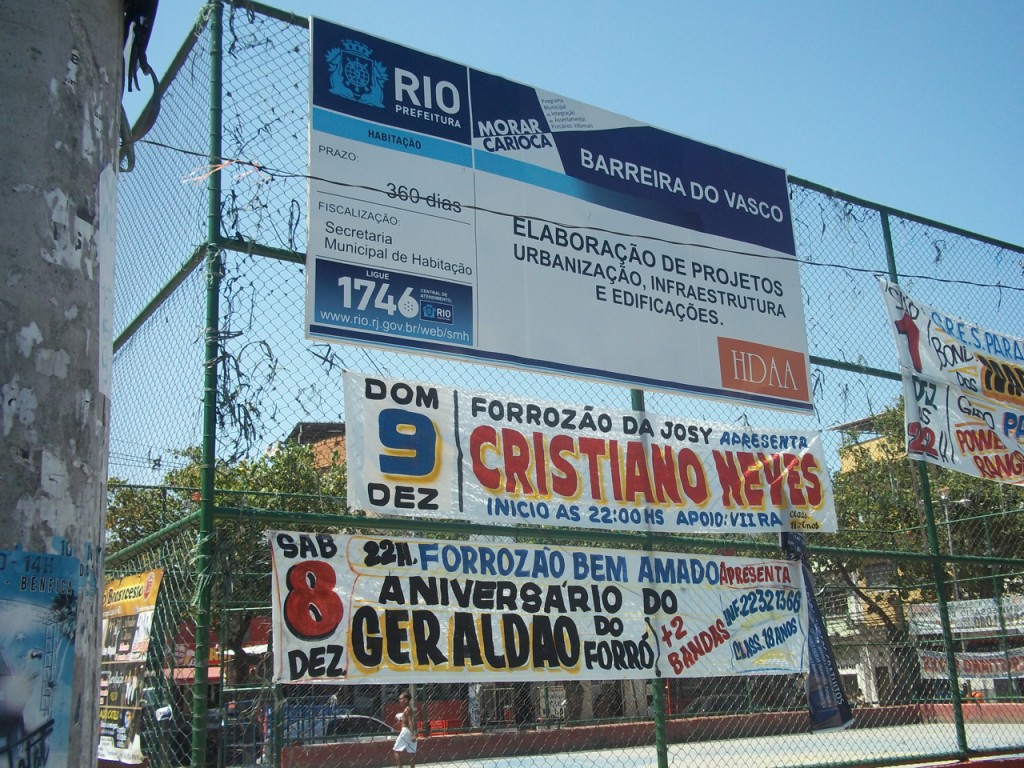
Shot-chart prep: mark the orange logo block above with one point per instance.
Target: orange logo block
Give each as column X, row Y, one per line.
column 763, row 370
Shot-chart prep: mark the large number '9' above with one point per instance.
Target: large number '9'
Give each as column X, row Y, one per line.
column 411, row 443
column 312, row 609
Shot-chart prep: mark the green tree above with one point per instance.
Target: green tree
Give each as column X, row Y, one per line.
column 286, row 479
column 880, row 507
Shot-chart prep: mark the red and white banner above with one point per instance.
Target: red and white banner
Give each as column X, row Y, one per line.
column 972, row 665
column 371, row 609
column 430, row 451
column 963, row 390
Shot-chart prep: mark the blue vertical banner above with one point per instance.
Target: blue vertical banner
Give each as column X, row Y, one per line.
column 828, row 703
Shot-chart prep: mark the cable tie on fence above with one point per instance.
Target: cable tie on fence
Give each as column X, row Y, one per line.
column 204, row 172
column 256, row 168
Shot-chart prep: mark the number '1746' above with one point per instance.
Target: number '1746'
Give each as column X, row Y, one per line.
column 367, row 291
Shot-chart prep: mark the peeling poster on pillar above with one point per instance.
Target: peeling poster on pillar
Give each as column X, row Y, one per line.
column 38, row 617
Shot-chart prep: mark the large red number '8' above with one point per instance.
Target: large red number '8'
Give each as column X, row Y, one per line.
column 312, row 609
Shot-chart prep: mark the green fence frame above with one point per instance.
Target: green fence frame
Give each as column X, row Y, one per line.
column 212, row 511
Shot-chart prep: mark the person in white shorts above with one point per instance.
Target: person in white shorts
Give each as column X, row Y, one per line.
column 405, row 744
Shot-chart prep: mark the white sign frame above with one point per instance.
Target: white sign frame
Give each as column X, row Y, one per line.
column 455, row 213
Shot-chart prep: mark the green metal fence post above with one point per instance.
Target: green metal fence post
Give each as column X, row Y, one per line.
column 933, row 549
column 997, row 597
column 657, row 684
column 940, row 589
column 214, row 266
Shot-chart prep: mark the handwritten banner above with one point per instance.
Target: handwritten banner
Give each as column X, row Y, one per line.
column 429, row 451
column 963, row 389
column 985, row 665
column 369, row 609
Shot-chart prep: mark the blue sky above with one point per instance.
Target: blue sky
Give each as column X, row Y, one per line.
column 918, row 105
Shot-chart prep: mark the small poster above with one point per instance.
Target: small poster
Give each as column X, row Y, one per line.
column 128, row 605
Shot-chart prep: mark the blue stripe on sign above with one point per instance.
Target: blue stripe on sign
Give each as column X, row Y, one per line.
column 556, row 181
column 517, row 170
column 385, row 136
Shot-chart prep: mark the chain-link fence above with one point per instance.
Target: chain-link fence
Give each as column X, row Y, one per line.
column 226, row 423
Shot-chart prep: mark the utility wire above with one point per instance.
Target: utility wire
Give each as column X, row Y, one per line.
column 277, row 173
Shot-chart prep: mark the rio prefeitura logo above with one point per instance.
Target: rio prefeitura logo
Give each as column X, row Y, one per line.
column 355, row 75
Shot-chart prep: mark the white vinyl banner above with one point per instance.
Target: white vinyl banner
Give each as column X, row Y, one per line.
column 963, row 389
column 456, row 213
column 429, row 451
column 979, row 616
column 371, row 609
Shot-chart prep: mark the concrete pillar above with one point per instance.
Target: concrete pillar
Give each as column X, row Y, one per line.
column 634, row 698
column 60, row 76
column 587, row 710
